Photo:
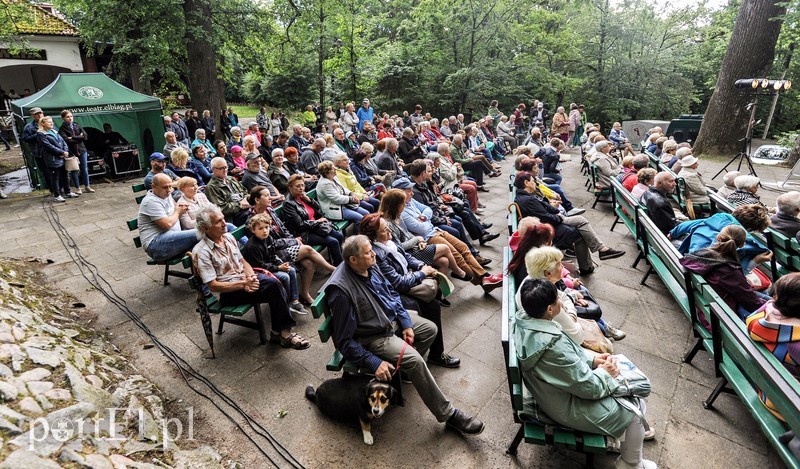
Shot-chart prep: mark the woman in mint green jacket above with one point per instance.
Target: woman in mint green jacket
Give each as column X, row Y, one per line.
column 573, row 389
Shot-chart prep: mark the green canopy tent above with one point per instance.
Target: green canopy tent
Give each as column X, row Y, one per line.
column 94, row 99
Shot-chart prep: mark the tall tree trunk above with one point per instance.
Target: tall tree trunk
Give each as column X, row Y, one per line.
column 321, row 55
column 205, row 88
column 750, row 53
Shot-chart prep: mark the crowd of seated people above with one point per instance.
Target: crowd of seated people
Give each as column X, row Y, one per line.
column 409, row 188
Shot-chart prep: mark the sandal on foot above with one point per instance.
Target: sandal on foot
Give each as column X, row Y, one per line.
column 295, row 341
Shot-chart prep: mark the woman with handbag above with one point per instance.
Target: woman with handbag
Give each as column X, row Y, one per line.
column 413, row 280
column 54, row 151
column 579, row 396
column 75, row 136
column 545, row 262
column 303, row 218
column 287, row 247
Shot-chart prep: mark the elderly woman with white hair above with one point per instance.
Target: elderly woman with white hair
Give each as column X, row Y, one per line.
column 696, row 189
column 745, row 193
column 201, row 140
column 507, row 131
column 607, row 167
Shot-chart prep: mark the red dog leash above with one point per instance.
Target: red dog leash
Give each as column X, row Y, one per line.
column 400, row 358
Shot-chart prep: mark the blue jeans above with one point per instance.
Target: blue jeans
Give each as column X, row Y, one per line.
column 743, row 313
column 565, row 202
column 371, row 204
column 354, row 216
column 289, row 281
column 83, row 172
column 333, row 242
column 171, row 244
column 556, row 177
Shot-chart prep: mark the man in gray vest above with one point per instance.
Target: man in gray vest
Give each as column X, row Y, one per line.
column 372, row 330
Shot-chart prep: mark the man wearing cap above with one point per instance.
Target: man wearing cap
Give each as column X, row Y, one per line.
column 173, row 143
column 159, row 224
column 365, row 114
column 253, row 130
column 29, row 137
column 227, row 193
column 254, row 175
column 158, row 165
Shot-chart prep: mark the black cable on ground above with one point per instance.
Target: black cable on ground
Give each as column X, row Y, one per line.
column 92, row 275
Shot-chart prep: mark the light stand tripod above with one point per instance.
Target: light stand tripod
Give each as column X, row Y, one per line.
column 747, row 146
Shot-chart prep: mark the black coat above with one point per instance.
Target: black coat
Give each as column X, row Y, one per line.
column 75, row 137
column 537, row 206
column 296, row 218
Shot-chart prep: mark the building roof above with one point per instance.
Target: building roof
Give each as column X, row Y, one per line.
column 39, row 19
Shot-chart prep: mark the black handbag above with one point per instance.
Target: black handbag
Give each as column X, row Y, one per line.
column 322, row 228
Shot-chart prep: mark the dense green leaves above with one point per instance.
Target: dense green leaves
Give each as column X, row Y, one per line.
column 624, row 59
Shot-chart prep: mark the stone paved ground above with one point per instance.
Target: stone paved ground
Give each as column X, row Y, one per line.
column 267, row 379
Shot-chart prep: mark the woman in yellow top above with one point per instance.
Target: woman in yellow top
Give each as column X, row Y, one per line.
column 348, row 180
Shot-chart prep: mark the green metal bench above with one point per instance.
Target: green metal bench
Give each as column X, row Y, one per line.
column 337, row 362
column 744, row 366
column 536, row 433
column 785, row 253
column 599, row 192
column 227, row 314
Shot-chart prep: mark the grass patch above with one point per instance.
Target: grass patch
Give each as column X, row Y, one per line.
column 246, row 111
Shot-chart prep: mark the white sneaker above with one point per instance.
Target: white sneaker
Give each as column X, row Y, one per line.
column 575, row 212
column 59, row 199
column 643, row 464
column 480, row 205
column 650, row 435
column 298, row 307
column 479, row 211
column 89, row 189
column 72, row 195
column 78, row 191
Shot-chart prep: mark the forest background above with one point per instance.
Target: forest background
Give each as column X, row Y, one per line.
column 628, row 59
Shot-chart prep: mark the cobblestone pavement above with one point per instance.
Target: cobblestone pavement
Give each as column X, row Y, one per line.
column 269, row 381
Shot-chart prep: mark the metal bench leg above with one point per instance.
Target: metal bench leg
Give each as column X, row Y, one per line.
column 709, row 403
column 262, row 332
column 166, row 275
column 647, row 274
column 596, row 199
column 221, row 323
column 512, row 450
column 690, row 356
column 616, row 220
column 639, row 257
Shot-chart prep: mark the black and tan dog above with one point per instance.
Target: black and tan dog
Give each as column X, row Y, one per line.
column 354, row 399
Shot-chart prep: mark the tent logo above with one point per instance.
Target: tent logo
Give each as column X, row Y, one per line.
column 90, row 92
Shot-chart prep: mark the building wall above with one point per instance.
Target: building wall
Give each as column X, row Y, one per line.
column 63, row 55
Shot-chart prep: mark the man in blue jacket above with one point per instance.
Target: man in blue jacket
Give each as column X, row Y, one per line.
column 365, row 114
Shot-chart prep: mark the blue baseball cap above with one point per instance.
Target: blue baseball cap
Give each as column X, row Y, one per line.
column 402, row 183
column 158, row 156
